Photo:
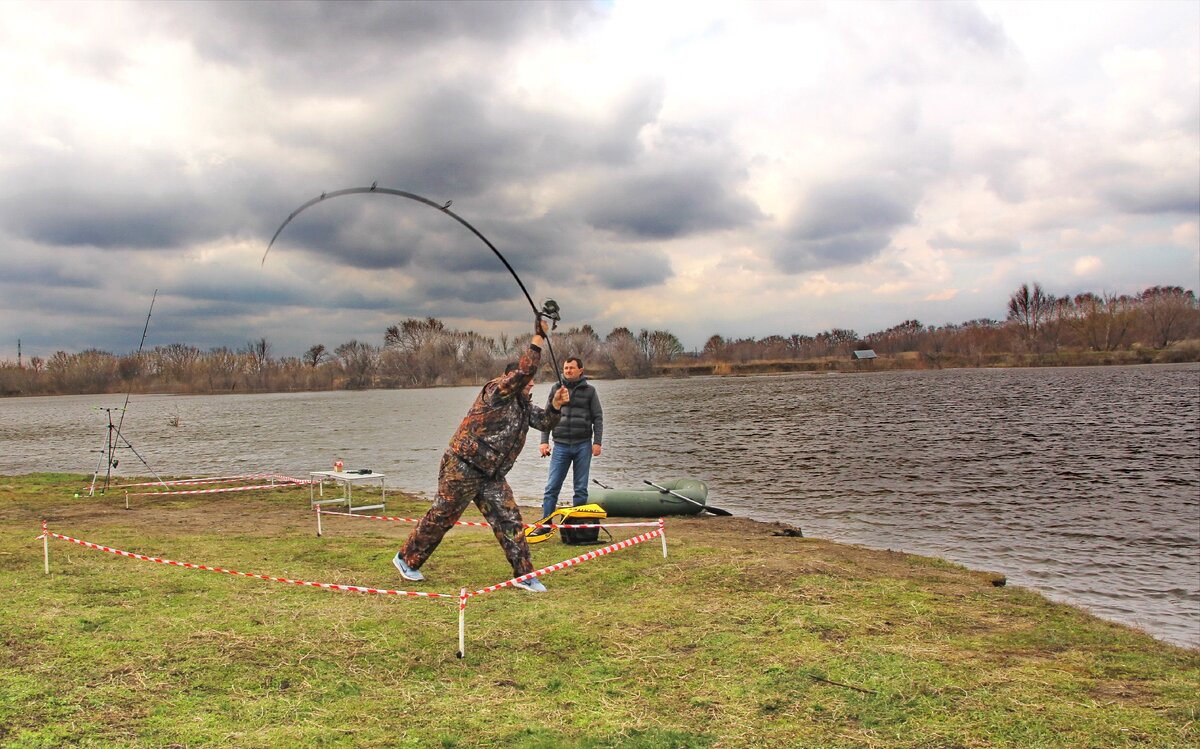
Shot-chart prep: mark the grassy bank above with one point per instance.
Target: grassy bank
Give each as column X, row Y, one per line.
column 745, row 636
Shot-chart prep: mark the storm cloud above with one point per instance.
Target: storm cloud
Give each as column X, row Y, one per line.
column 844, row 223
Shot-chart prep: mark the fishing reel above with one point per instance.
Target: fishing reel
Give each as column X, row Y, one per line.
column 550, row 311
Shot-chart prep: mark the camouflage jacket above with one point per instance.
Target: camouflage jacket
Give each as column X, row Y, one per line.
column 491, row 436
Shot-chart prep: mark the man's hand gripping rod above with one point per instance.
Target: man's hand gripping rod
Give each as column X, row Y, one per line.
column 550, row 311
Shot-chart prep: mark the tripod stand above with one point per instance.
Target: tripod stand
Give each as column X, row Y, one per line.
column 108, row 454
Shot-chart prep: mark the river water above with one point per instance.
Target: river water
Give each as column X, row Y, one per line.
column 1082, row 483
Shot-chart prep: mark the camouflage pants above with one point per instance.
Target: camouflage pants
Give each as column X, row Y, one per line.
column 458, row 485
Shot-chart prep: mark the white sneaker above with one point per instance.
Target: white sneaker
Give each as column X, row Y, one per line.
column 408, row 573
column 533, row 585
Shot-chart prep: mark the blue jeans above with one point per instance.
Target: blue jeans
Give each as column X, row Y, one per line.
column 577, row 457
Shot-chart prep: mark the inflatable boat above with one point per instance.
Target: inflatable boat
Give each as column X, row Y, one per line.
column 649, row 502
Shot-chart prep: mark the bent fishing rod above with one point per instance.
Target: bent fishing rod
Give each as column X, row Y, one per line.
column 549, row 309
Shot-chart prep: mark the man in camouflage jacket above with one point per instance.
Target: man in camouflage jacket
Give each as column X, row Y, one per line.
column 473, row 469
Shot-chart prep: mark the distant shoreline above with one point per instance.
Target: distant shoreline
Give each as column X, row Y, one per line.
column 910, row 362
column 914, row 361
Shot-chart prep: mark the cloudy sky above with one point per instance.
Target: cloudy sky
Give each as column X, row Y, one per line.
column 734, row 168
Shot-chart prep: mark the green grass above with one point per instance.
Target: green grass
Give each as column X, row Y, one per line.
column 739, row 639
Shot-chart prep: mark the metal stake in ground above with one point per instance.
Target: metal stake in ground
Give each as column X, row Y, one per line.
column 462, row 622
column 46, row 547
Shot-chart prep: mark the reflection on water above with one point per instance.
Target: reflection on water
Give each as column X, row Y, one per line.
column 1083, row 483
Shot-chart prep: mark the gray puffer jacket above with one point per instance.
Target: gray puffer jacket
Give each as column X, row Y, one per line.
column 582, row 417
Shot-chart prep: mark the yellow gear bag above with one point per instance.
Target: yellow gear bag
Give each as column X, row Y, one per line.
column 582, row 515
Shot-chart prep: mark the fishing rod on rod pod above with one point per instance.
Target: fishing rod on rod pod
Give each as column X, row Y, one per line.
column 549, row 309
column 115, row 436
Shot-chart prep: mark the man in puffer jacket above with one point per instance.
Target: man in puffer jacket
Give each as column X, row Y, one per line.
column 473, row 469
column 577, row 438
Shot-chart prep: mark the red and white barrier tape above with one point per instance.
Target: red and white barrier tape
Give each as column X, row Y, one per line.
column 281, row 485
column 463, row 594
column 190, row 566
column 204, row 480
column 486, row 525
column 395, row 519
column 655, row 524
column 572, row 562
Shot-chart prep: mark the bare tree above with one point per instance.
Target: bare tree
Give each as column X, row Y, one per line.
column 624, row 357
column 582, row 342
column 89, row 371
column 773, row 347
column 1057, row 321
column 1167, row 310
column 1029, row 309
column 1119, row 317
column 800, row 345
column 1100, row 323
column 660, row 348
column 359, row 361
column 836, row 342
column 935, row 343
column 176, row 362
column 223, row 369
column 713, row 348
column 903, row 337
column 259, row 352
column 315, row 355
column 412, row 334
column 130, row 367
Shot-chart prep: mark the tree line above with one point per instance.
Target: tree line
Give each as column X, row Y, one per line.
column 1162, row 324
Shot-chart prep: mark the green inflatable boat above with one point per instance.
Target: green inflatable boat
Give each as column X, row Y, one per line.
column 648, row 502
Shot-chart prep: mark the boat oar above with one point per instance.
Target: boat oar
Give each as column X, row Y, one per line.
column 710, row 508
column 603, row 486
